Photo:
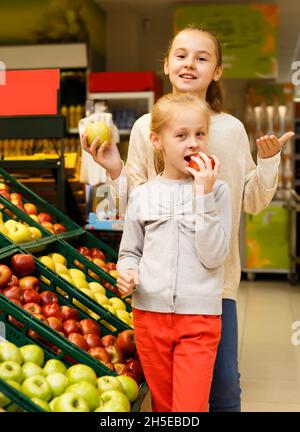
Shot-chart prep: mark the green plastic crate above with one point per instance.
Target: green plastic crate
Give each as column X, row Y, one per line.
column 73, row 255
column 72, row 229
column 19, row 338
column 8, row 210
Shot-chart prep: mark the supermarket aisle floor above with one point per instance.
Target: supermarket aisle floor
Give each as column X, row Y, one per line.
column 268, row 361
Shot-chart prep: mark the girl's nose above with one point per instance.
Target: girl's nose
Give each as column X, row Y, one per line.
column 193, row 144
column 190, row 63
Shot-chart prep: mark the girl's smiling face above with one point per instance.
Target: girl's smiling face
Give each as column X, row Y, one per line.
column 192, row 62
column 185, row 133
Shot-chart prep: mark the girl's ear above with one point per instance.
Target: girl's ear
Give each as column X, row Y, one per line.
column 166, row 66
column 155, row 141
column 218, row 73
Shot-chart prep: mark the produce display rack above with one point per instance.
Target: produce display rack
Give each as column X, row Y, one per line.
column 37, row 126
column 19, row 337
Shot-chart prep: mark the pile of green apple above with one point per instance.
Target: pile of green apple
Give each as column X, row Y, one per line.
column 58, row 263
column 19, row 232
column 55, row 388
column 43, row 218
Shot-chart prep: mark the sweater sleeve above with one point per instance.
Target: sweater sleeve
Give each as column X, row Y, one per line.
column 213, row 226
column 132, row 242
column 256, row 196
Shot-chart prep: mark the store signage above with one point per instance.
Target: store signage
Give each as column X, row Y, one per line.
column 248, row 34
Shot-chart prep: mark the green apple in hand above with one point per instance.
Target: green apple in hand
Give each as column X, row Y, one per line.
column 32, row 353
column 97, row 129
column 80, row 372
column 53, row 365
column 31, row 369
column 130, row 387
column 9, row 351
column 58, row 383
column 107, row 382
column 87, row 391
column 37, row 386
column 10, row 370
column 69, row 402
column 112, row 400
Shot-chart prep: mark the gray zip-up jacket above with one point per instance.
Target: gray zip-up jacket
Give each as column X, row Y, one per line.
column 178, row 245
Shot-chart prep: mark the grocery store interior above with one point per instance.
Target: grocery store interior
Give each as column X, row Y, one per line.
column 63, row 62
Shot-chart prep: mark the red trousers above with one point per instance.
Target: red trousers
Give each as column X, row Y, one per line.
column 177, row 353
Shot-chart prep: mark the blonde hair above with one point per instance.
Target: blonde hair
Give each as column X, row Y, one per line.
column 215, row 93
column 162, row 112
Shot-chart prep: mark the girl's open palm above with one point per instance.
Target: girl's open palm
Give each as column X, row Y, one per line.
column 270, row 145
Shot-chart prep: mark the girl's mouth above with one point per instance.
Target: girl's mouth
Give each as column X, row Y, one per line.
column 187, row 76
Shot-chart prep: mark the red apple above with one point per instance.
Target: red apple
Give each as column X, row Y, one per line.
column 4, row 187
column 115, row 354
column 33, row 308
column 72, row 326
column 78, row 340
column 126, row 342
column 69, row 313
column 120, row 368
column 92, row 340
column 44, row 217
column 5, row 194
column 108, row 340
column 100, row 354
column 135, row 367
column 48, row 226
column 41, row 317
column 22, row 264
column 12, row 292
column 97, row 253
column 58, row 228
column 34, row 335
column 109, row 365
column 52, row 310
column 14, row 281
column 56, row 324
column 84, row 250
column 194, row 165
column 48, row 297
column 29, row 282
column 99, row 262
column 16, row 197
column 5, row 275
column 111, row 265
column 30, row 296
column 30, row 208
column 11, row 319
column 130, row 374
column 89, row 326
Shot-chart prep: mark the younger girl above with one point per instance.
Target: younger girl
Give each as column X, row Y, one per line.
column 175, row 240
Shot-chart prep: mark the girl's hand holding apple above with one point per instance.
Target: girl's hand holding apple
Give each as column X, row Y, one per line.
column 204, row 171
column 127, row 281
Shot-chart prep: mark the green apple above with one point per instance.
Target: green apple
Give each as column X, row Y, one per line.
column 61, row 269
column 88, row 292
column 70, row 402
column 107, row 382
column 117, row 303
column 97, row 288
column 87, row 391
column 37, row 386
column 32, row 353
column 3, row 400
column 124, row 316
column 81, row 283
column 81, row 372
column 75, row 274
column 112, row 406
column 19, row 233
column 53, row 366
column 67, row 278
column 15, row 385
column 112, row 397
column 101, row 299
column 31, row 369
column 35, row 233
column 10, row 370
column 109, row 308
column 52, row 404
column 97, row 129
column 58, row 383
column 41, row 403
column 11, row 224
column 57, row 258
column 9, row 351
column 130, row 387
column 47, row 261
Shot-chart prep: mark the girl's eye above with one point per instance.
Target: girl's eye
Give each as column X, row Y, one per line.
column 200, row 134
column 180, row 136
column 202, row 59
column 181, row 56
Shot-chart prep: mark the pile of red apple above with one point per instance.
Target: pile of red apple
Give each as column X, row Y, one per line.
column 42, row 218
column 19, row 285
